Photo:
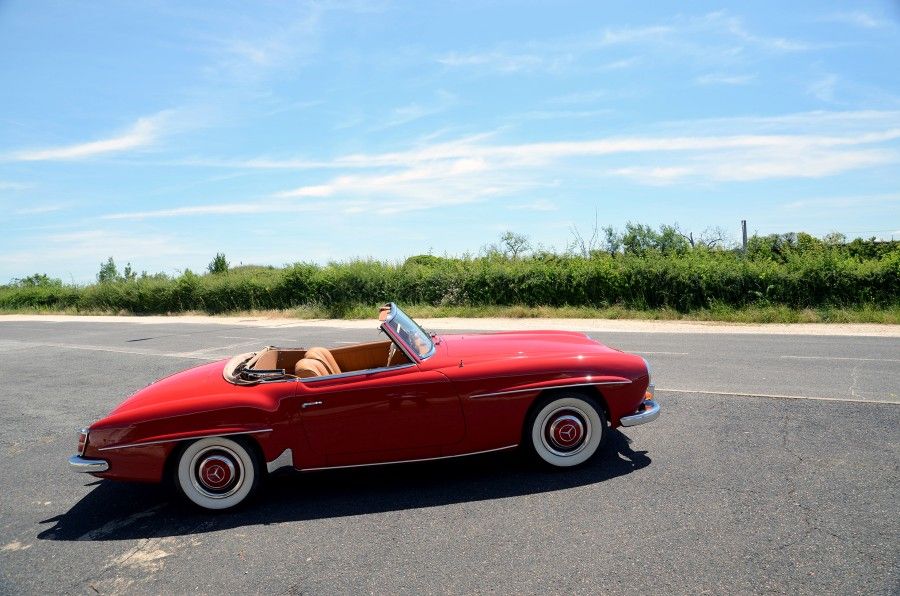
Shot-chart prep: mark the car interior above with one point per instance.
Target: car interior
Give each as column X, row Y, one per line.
column 273, row 363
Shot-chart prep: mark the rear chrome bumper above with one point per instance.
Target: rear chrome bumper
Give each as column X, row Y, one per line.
column 648, row 412
column 80, row 464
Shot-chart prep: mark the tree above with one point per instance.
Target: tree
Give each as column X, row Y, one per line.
column 639, row 238
column 579, row 244
column 129, row 274
column 38, row 280
column 612, row 240
column 108, row 272
column 670, row 240
column 218, row 264
column 514, row 245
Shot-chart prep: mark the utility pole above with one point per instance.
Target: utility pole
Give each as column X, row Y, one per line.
column 744, row 235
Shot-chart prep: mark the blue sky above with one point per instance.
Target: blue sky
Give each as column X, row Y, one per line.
column 163, row 132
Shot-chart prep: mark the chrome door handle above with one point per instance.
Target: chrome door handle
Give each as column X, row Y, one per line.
column 310, row 404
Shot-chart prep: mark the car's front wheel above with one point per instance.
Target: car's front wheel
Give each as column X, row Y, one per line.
column 217, row 473
column 566, row 429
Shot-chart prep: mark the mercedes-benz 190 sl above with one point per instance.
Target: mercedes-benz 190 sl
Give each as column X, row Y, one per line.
column 216, row 430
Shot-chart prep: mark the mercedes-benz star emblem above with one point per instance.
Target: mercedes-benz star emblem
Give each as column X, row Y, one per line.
column 568, row 432
column 216, row 474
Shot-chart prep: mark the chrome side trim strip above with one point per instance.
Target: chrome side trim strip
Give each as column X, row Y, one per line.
column 80, row 464
column 286, row 459
column 355, row 373
column 144, row 444
column 550, row 387
column 409, row 461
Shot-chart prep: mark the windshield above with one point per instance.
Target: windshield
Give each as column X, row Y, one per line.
column 409, row 332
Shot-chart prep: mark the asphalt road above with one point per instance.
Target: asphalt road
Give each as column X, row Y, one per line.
column 729, row 491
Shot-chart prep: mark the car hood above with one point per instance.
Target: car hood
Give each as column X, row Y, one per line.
column 518, row 344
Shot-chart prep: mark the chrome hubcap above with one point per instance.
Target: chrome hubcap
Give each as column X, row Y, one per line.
column 566, row 431
column 217, row 472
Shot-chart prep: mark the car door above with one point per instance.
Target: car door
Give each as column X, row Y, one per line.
column 389, row 414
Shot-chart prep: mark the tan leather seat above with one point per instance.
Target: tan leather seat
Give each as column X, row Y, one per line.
column 325, row 357
column 308, row 367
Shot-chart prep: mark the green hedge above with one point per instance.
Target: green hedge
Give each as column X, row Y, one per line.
column 697, row 279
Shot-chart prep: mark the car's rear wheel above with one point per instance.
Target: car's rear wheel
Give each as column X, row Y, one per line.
column 566, row 429
column 217, row 473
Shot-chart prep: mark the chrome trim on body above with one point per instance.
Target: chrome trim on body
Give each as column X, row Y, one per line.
column 409, row 461
column 480, row 395
column 86, row 433
column 191, row 438
column 80, row 464
column 649, row 414
column 356, row 373
column 285, row 460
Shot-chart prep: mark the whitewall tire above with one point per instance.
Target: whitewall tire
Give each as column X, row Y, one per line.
column 566, row 429
column 217, row 473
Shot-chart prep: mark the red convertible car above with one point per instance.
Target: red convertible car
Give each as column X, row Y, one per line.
column 217, row 429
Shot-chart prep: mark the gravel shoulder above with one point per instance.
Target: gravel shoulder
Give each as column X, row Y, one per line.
column 497, row 324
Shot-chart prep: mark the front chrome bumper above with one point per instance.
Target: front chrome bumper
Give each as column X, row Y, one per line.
column 80, row 464
column 648, row 412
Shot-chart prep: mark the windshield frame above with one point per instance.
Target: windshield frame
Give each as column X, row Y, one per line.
column 396, row 313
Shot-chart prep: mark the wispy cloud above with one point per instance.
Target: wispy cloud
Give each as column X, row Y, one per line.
column 7, row 185
column 844, row 202
column 38, row 210
column 478, row 168
column 416, row 111
column 725, row 79
column 823, row 88
column 856, row 18
column 699, row 36
column 142, row 133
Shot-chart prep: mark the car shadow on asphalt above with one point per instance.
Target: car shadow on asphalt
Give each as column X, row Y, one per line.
column 125, row 511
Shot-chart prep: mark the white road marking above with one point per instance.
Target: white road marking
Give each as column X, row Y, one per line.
column 775, row 396
column 114, row 350
column 842, row 358
column 220, row 348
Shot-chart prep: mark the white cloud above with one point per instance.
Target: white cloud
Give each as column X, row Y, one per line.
column 417, row 111
column 142, row 133
column 38, row 210
column 699, row 37
column 857, row 19
column 843, row 202
column 725, row 79
column 7, row 185
column 823, row 89
column 478, row 168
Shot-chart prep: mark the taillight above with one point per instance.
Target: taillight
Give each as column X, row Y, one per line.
column 82, row 440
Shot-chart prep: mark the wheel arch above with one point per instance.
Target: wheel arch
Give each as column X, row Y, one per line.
column 170, row 467
column 591, row 391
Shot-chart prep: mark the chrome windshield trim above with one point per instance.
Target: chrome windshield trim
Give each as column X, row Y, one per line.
column 191, row 438
column 480, row 395
column 394, row 309
column 356, row 373
column 409, row 461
